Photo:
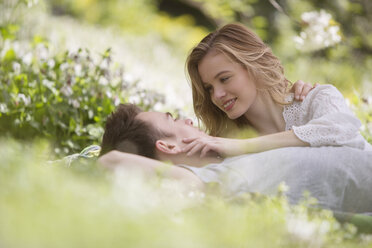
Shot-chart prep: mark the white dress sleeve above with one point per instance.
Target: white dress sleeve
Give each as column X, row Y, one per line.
column 329, row 121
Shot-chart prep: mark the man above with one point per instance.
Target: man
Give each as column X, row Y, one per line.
column 147, row 140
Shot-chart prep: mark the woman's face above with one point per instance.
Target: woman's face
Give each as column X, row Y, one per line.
column 229, row 84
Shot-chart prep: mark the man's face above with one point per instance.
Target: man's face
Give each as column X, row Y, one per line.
column 179, row 128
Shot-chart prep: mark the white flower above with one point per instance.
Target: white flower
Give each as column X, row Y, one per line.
column 51, row 63
column 66, row 90
column 42, row 51
column 48, row 84
column 31, row 3
column 134, row 99
column 95, row 131
column 26, row 100
column 78, row 70
column 283, row 187
column 16, row 67
column 3, row 108
column 104, row 64
column 27, row 59
column 319, row 32
column 103, row 81
column 301, row 228
column 128, row 77
column 90, row 114
column 64, row 66
column 75, row 103
column 108, row 94
column 116, row 101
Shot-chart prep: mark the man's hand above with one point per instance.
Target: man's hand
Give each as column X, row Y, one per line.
column 301, row 89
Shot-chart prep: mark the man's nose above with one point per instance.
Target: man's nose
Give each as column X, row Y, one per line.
column 189, row 122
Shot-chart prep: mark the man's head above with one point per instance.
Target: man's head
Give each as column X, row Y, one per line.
column 150, row 134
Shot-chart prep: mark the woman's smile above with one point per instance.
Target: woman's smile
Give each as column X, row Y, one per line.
column 228, row 83
column 229, row 104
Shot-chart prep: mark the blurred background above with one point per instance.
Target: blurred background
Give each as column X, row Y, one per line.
column 66, row 64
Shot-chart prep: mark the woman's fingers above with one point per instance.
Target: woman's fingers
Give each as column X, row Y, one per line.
column 188, row 147
column 188, row 140
column 298, row 86
column 305, row 90
column 302, row 89
column 204, row 151
column 195, row 149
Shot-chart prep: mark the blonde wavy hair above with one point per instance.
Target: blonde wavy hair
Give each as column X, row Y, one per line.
column 244, row 47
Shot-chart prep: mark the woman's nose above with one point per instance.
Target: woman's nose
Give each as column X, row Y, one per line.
column 219, row 92
column 189, row 122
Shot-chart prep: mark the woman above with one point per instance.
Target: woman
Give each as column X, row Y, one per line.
column 238, row 82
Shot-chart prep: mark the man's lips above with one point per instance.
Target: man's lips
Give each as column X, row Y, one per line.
column 229, row 104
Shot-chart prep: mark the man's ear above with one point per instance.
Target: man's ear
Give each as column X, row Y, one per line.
column 167, row 147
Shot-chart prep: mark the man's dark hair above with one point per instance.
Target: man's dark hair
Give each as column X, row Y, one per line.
column 125, row 133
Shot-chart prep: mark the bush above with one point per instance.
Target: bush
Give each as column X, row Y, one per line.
column 63, row 97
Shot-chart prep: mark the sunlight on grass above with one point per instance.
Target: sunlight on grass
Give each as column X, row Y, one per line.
column 50, row 205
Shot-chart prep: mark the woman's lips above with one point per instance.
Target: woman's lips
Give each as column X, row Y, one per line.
column 229, row 104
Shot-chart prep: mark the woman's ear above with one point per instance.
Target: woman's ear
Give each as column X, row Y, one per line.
column 166, row 147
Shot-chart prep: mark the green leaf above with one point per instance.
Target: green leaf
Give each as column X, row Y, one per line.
column 10, row 55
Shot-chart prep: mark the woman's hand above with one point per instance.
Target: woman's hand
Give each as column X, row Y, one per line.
column 233, row 147
column 301, row 89
column 205, row 145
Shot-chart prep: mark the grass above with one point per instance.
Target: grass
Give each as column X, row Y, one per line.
column 50, row 205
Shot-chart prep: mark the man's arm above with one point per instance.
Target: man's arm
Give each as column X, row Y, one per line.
column 150, row 168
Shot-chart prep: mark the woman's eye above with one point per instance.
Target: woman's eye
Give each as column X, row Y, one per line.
column 224, row 79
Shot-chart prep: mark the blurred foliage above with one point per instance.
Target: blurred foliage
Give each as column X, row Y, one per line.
column 49, row 205
column 64, row 97
column 138, row 17
column 276, row 21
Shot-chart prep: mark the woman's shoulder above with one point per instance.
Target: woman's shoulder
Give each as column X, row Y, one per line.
column 324, row 90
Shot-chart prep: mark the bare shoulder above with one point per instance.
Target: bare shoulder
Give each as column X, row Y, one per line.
column 325, row 89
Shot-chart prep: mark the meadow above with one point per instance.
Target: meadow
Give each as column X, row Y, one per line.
column 65, row 65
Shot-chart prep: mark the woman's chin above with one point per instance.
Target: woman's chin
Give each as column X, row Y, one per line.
column 233, row 116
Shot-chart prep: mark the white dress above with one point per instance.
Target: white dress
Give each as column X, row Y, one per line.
column 324, row 119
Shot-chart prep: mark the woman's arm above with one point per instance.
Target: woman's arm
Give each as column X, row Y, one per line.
column 327, row 122
column 150, row 168
column 233, row 147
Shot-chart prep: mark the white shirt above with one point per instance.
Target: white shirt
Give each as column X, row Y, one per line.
column 339, row 177
column 324, row 119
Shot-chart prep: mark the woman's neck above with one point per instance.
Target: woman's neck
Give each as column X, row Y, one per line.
column 265, row 115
